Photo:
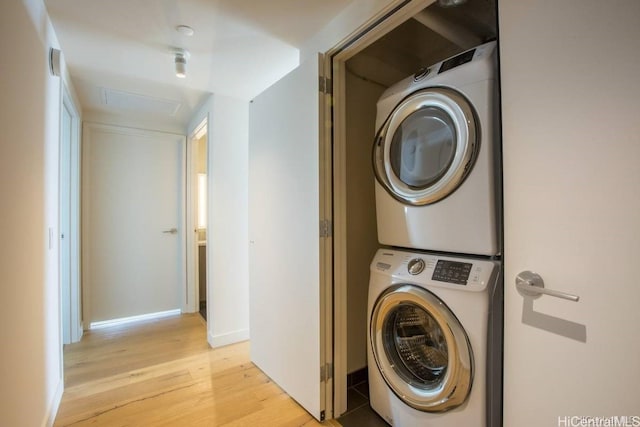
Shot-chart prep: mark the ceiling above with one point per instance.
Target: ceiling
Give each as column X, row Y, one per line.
column 119, row 54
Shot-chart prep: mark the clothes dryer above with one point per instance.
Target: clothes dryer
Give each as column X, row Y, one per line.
column 436, row 157
column 435, row 343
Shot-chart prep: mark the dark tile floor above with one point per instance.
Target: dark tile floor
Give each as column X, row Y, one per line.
column 359, row 413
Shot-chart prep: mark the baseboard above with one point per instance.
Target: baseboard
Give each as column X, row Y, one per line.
column 228, row 338
column 54, row 405
column 122, row 320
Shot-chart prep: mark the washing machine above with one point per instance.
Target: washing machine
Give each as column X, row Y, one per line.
column 435, row 339
column 436, row 157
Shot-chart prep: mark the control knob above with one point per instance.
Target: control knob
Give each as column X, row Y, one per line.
column 416, row 266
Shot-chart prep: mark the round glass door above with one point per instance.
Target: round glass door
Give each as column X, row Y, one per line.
column 421, row 349
column 427, row 146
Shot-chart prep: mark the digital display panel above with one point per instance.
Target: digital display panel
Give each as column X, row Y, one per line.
column 452, row 272
column 463, row 58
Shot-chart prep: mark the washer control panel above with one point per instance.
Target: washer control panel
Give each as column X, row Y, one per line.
column 471, row 274
column 452, row 271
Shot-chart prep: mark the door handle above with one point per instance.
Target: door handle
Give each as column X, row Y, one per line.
column 171, row 231
column 531, row 284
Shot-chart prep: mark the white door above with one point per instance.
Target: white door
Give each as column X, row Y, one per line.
column 69, row 235
column 570, row 110
column 133, row 222
column 286, row 291
column 65, row 223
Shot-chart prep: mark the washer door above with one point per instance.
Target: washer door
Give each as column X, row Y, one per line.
column 427, row 146
column 421, row 349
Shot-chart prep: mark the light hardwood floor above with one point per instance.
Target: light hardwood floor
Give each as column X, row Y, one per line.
column 163, row 373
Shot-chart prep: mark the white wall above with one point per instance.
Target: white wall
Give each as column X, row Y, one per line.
column 362, row 236
column 570, row 104
column 227, row 233
column 31, row 368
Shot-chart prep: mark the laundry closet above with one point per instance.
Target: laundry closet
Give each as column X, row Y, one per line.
column 434, row 34
column 310, row 164
column 307, row 283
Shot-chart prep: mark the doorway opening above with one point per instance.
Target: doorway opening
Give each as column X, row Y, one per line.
column 391, row 47
column 198, row 203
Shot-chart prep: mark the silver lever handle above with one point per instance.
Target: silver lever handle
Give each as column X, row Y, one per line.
column 531, row 284
column 171, row 231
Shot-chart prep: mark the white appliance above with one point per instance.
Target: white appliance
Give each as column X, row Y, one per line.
column 436, row 157
column 434, row 343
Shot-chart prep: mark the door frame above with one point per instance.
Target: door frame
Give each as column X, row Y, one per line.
column 71, row 318
column 192, row 298
column 393, row 15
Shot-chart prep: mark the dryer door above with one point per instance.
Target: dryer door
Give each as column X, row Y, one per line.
column 427, row 146
column 421, row 349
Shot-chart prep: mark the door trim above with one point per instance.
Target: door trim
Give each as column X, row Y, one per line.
column 192, row 294
column 386, row 20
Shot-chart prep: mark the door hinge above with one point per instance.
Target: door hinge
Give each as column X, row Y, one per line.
column 325, row 85
column 326, row 372
column 326, row 228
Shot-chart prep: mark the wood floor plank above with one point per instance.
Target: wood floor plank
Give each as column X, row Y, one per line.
column 163, row 373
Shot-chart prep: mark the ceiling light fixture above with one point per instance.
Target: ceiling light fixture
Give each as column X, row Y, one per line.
column 451, row 3
column 185, row 30
column 181, row 56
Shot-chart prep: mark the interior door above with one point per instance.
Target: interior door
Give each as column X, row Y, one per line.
column 69, row 237
column 570, row 102
column 286, row 255
column 65, row 223
column 133, row 219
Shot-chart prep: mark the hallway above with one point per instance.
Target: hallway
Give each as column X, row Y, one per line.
column 163, row 373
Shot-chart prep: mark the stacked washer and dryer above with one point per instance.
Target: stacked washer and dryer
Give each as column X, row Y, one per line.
column 435, row 291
